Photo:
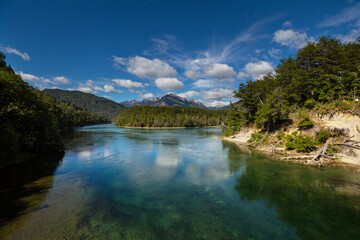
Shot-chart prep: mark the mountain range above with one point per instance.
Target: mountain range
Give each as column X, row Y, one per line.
column 168, row 100
column 108, row 108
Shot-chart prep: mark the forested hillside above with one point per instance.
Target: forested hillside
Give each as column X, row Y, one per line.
column 94, row 104
column 322, row 77
column 30, row 120
column 150, row 116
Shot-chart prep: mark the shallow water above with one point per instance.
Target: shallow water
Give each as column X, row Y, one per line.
column 172, row 184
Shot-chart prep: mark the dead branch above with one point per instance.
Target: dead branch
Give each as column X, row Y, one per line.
column 322, row 152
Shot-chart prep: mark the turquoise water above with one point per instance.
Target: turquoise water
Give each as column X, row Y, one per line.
column 116, row 183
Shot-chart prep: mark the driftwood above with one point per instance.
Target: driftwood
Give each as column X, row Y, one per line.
column 347, row 142
column 322, row 152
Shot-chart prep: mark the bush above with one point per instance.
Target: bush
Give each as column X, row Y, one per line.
column 305, row 122
column 323, row 135
column 281, row 136
column 302, row 143
column 257, row 138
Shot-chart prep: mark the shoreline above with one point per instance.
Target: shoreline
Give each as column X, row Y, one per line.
column 275, row 155
column 165, row 127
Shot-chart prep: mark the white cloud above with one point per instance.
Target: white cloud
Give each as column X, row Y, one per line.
column 146, row 95
column 351, row 37
column 217, row 103
column 108, row 97
column 218, row 94
column 28, row 77
column 291, row 38
column 109, row 88
column 128, row 83
column 168, row 83
column 23, row 55
column 287, row 24
column 191, row 74
column 83, row 88
column 274, row 52
column 242, row 75
column 218, row 70
column 145, row 68
column 61, row 80
column 204, row 83
column 347, row 15
column 39, row 81
column 258, row 69
column 189, row 94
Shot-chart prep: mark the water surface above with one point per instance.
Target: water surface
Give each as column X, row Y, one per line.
column 172, row 184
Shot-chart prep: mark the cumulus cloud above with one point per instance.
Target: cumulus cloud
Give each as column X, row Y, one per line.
column 146, row 95
column 217, row 103
column 145, row 68
column 61, row 80
column 291, row 38
column 28, row 77
column 203, row 83
column 189, row 94
column 23, row 55
column 169, row 83
column 128, row 83
column 40, row 81
column 218, row 70
column 108, row 97
column 349, row 14
column 83, row 88
column 191, row 74
column 256, row 70
column 218, row 94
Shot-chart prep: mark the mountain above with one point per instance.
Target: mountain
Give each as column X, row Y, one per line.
column 93, row 104
column 168, row 100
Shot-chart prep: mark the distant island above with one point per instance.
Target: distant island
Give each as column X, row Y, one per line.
column 176, row 116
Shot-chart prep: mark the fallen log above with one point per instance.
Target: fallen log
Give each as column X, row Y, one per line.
column 322, row 151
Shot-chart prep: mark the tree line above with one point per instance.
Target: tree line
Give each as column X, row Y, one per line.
column 322, row 76
column 176, row 116
column 30, row 120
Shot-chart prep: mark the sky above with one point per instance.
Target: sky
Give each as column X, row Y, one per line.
column 201, row 50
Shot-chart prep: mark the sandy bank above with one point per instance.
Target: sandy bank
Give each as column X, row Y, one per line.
column 350, row 124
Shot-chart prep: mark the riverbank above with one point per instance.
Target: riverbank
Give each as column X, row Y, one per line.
column 165, row 127
column 348, row 151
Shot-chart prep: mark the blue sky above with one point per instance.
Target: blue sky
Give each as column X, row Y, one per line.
column 127, row 50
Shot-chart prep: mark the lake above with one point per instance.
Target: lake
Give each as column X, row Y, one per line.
column 114, row 183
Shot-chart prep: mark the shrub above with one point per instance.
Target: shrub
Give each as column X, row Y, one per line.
column 281, row 136
column 257, row 138
column 300, row 142
column 304, row 120
column 323, row 135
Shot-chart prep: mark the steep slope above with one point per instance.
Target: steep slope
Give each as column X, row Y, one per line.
column 94, row 104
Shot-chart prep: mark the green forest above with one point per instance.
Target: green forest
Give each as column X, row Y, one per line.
column 322, row 77
column 31, row 120
column 93, row 104
column 176, row 116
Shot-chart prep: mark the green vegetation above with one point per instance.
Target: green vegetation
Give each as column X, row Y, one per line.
column 30, row 120
column 300, row 142
column 322, row 77
column 93, row 104
column 150, row 116
column 258, row 138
